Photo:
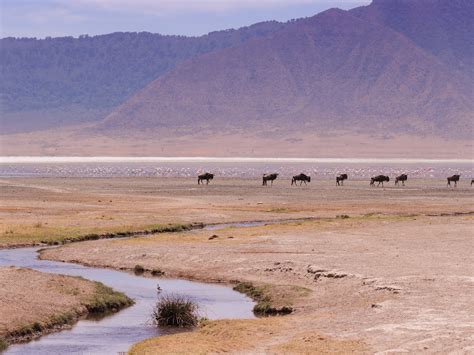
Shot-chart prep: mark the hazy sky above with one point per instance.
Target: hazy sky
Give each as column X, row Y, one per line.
column 41, row 18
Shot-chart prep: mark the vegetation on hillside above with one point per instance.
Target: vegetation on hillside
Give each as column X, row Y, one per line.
column 99, row 71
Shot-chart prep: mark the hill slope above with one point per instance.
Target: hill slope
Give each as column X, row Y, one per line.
column 64, row 81
column 387, row 79
column 330, row 72
column 443, row 28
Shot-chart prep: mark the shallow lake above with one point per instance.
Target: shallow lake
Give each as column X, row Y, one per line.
column 228, row 167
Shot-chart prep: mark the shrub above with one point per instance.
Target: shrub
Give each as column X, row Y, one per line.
column 138, row 269
column 37, row 327
column 175, row 311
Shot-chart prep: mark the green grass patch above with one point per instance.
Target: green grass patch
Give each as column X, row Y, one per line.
column 61, row 319
column 107, row 300
column 53, row 321
column 43, row 234
column 261, row 294
column 3, row 344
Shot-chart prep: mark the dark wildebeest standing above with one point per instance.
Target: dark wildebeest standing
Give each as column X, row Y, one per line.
column 455, row 179
column 340, row 179
column 269, row 177
column 380, row 179
column 206, row 177
column 472, row 181
column 301, row 178
column 402, row 178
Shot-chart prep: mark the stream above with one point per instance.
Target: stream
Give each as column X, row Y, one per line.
column 115, row 333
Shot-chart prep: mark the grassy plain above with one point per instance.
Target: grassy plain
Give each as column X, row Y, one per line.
column 34, row 303
column 364, row 269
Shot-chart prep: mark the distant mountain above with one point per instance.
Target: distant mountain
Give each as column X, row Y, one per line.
column 64, row 81
column 444, row 28
column 334, row 71
column 397, row 71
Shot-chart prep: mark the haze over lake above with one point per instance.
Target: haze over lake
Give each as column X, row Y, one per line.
column 319, row 168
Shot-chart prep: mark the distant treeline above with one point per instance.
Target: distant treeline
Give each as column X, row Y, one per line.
column 99, row 71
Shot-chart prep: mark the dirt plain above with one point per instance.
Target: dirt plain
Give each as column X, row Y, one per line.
column 365, row 269
column 268, row 140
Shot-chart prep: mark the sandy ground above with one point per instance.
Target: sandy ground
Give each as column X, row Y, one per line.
column 397, row 275
column 35, row 209
column 28, row 296
column 269, row 142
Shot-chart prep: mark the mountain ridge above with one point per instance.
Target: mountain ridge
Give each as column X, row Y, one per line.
column 380, row 71
column 86, row 77
column 185, row 92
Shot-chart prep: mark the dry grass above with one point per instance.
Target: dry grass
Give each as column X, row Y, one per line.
column 56, row 210
column 245, row 336
column 212, row 337
column 14, row 235
column 310, row 343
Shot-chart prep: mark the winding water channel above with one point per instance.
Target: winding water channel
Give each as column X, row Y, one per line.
column 117, row 332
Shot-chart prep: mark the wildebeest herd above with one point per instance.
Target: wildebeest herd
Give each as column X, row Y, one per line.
column 303, row 178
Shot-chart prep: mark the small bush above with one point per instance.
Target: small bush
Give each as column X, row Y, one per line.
column 37, row 327
column 247, row 288
column 175, row 311
column 138, row 269
column 3, row 344
column 342, row 216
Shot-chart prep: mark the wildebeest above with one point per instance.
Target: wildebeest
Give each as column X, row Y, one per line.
column 455, row 179
column 269, row 177
column 380, row 179
column 301, row 178
column 206, row 177
column 402, row 178
column 472, row 181
column 340, row 179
